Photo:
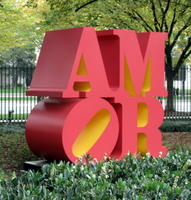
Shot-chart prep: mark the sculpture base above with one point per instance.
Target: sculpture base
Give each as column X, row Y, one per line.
column 34, row 165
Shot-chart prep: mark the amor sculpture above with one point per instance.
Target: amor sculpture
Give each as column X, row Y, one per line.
column 100, row 89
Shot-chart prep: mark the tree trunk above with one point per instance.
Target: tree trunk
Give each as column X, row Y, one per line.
column 169, row 105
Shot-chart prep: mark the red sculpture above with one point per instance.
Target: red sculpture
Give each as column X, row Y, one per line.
column 101, row 87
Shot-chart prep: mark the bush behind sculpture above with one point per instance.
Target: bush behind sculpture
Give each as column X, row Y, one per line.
column 130, row 178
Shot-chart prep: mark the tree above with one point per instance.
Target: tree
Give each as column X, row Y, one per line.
column 171, row 16
column 18, row 26
column 20, row 36
column 20, row 62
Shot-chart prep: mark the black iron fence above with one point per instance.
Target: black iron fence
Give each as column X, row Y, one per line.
column 181, row 100
column 16, row 106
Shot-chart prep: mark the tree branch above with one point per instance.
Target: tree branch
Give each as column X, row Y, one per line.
column 132, row 16
column 156, row 23
column 186, row 55
column 164, row 12
column 183, row 56
column 173, row 22
column 178, row 35
column 142, row 19
column 88, row 3
column 183, row 11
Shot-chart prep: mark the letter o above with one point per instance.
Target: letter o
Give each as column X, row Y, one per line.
column 65, row 129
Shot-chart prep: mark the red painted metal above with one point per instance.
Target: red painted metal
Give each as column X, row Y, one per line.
column 112, row 75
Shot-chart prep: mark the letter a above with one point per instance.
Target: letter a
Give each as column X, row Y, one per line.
column 70, row 65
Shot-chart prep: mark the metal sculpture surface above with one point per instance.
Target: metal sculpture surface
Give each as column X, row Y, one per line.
column 101, row 88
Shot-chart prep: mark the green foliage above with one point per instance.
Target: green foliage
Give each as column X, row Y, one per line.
column 176, row 126
column 18, row 57
column 18, row 25
column 131, row 178
column 22, row 62
column 23, row 22
column 12, row 128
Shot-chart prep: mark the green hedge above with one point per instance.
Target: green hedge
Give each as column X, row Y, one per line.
column 176, row 126
column 167, row 126
column 12, row 128
column 144, row 178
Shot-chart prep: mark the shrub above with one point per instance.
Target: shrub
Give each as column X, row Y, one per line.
column 176, row 126
column 12, row 128
column 130, row 178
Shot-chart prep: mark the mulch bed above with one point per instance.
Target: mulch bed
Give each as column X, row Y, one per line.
column 174, row 139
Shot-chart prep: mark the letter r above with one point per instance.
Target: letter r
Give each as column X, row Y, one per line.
column 140, row 120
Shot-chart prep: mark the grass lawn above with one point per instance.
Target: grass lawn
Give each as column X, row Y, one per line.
column 14, row 90
column 13, row 152
column 18, row 98
column 14, row 116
